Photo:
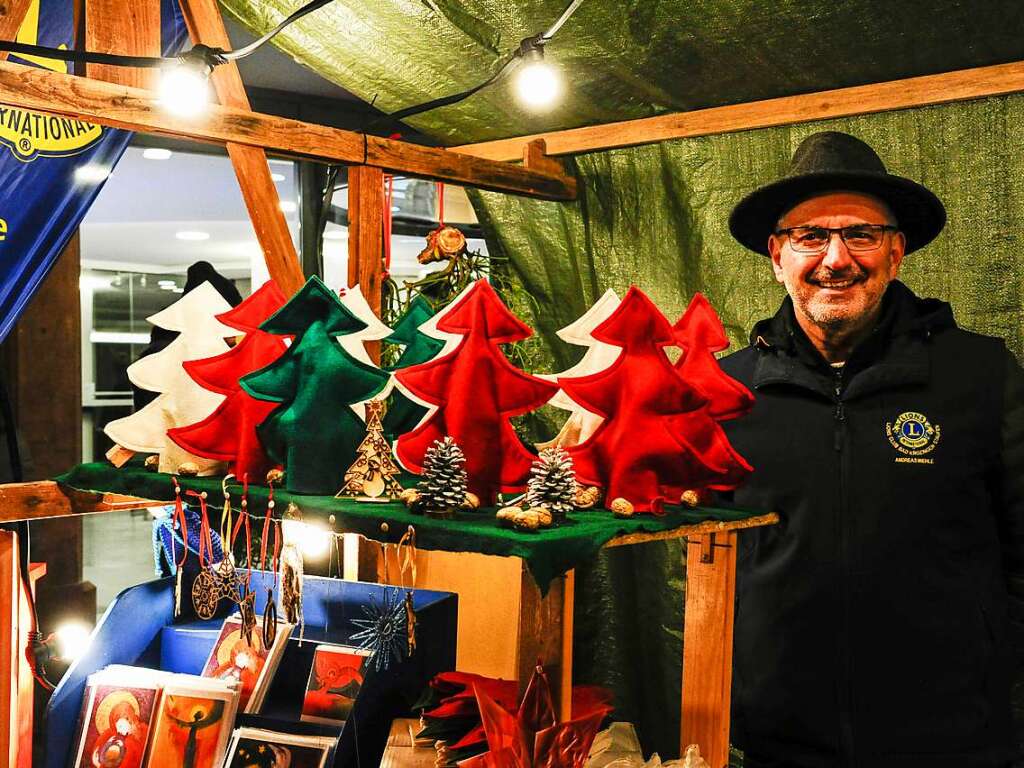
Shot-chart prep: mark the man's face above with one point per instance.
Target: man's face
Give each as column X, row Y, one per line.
column 837, row 289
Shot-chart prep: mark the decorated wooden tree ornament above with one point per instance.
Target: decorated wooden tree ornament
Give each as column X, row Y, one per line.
column 314, row 431
column 373, row 472
column 699, row 333
column 581, row 423
column 404, row 413
column 181, row 401
column 229, row 433
column 474, row 391
column 658, row 437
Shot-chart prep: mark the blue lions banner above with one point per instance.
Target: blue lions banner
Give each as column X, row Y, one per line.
column 52, row 168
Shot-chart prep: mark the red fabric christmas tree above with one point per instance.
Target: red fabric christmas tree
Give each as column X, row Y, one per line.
column 658, row 437
column 229, row 433
column 699, row 333
column 476, row 390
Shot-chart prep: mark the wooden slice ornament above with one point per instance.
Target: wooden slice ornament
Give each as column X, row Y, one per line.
column 372, row 475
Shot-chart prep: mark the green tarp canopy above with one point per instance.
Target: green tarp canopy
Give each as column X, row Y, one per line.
column 655, row 215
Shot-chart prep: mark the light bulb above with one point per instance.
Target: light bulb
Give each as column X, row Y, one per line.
column 72, row 639
column 313, row 540
column 538, row 85
column 184, row 91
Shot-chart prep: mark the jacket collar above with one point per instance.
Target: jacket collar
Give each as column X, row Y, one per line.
column 895, row 354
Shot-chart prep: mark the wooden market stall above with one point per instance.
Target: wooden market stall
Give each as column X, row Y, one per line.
column 527, row 166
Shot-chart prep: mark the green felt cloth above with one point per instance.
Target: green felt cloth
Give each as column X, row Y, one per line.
column 547, row 553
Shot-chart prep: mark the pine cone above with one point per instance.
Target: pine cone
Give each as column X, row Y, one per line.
column 552, row 483
column 443, row 487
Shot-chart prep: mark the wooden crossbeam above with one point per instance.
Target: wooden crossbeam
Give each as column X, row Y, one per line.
column 137, row 110
column 962, row 85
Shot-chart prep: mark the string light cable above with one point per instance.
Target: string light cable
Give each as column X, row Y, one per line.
column 530, row 51
column 202, row 58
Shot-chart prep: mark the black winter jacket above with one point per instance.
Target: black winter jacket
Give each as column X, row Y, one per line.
column 872, row 624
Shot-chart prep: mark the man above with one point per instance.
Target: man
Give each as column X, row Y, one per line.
column 872, row 622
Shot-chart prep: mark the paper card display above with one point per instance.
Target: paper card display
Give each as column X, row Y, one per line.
column 257, row 747
column 334, row 682
column 250, row 666
column 117, row 710
column 193, row 723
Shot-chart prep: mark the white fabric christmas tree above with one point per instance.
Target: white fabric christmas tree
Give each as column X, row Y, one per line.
column 355, row 343
column 581, row 423
column 181, row 401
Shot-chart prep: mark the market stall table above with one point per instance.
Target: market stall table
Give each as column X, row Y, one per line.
column 549, row 557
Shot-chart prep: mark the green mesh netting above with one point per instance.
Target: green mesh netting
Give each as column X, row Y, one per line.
column 656, row 216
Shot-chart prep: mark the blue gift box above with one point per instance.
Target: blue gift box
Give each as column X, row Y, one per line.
column 138, row 629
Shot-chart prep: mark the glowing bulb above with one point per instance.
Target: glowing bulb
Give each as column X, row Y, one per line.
column 72, row 639
column 184, row 91
column 538, row 85
column 313, row 540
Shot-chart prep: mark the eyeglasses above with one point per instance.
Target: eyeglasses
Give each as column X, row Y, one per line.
column 858, row 238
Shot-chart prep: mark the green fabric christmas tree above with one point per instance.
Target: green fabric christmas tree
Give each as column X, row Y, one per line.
column 315, row 432
column 403, row 413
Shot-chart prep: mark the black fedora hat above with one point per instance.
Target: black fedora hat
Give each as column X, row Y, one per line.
column 831, row 162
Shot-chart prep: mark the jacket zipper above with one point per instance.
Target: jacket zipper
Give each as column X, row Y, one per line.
column 845, row 692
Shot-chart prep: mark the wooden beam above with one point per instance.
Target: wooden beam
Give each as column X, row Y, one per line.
column 978, row 83
column 698, row 529
column 136, row 110
column 12, row 14
column 45, row 498
column 205, row 25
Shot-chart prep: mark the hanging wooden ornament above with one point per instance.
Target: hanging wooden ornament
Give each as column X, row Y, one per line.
column 291, row 567
column 372, row 475
column 407, row 564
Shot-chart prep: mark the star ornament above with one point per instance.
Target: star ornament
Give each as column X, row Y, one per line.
column 383, row 632
column 533, row 737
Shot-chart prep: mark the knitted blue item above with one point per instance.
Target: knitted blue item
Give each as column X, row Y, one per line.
column 168, row 542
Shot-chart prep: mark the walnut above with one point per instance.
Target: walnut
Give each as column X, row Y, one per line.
column 472, row 500
column 275, row 476
column 622, row 508
column 543, row 516
column 188, row 469
column 526, row 520
column 409, row 496
column 152, row 463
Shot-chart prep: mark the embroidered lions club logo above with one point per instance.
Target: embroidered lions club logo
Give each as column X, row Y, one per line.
column 913, row 436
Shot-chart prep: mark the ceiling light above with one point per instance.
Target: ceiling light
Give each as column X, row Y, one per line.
column 166, row 283
column 91, row 173
column 336, row 234
column 192, row 235
column 185, row 89
column 156, row 153
column 177, row 290
column 289, row 206
column 538, row 85
column 277, row 176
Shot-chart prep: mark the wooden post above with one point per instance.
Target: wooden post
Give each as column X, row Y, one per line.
column 131, row 29
column 16, row 681
column 205, row 25
column 12, row 13
column 366, row 237
column 707, row 645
